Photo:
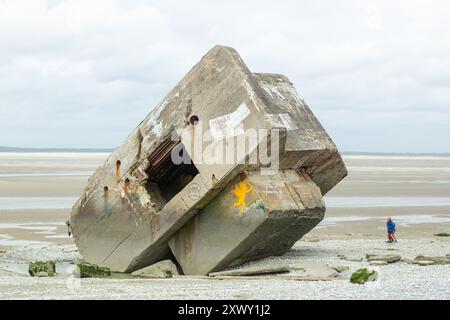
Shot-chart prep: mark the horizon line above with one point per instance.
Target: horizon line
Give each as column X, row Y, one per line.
column 69, row 149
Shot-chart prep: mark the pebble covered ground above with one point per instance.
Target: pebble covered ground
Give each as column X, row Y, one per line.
column 396, row 281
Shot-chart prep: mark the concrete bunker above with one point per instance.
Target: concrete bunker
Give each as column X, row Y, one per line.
column 209, row 217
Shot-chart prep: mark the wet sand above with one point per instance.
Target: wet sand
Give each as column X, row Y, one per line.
column 405, row 281
column 37, row 191
column 42, row 187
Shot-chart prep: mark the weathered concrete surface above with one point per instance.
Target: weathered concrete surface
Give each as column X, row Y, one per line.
column 339, row 268
column 314, row 271
column 279, row 211
column 162, row 269
column 139, row 201
column 436, row 260
column 389, row 258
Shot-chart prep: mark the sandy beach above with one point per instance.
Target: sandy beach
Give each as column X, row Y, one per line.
column 37, row 191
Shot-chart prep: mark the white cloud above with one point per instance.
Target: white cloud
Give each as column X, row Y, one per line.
column 84, row 73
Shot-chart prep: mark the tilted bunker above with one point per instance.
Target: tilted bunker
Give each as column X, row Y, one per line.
column 224, row 203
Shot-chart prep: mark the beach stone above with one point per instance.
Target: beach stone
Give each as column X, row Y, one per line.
column 351, row 259
column 340, row 269
column 313, row 271
column 88, row 270
column 378, row 263
column 3, row 251
column 40, row 267
column 408, row 261
column 162, row 269
column 354, row 259
column 364, row 275
column 389, row 258
column 437, row 260
column 419, row 262
column 425, row 263
column 252, row 271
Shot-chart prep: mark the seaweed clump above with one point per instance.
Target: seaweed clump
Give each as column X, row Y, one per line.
column 88, row 270
column 364, row 275
column 42, row 269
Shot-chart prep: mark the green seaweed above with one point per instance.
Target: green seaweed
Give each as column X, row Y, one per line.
column 42, row 266
column 442, row 234
column 89, row 270
column 362, row 276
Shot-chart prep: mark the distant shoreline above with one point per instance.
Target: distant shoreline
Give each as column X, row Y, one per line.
column 55, row 150
column 405, row 154
column 109, row 150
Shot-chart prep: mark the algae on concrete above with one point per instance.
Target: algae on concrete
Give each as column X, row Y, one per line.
column 88, row 270
column 39, row 268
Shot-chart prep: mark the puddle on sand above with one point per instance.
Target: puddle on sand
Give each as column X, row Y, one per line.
column 9, row 241
column 45, row 229
column 34, row 226
column 18, row 174
column 23, row 203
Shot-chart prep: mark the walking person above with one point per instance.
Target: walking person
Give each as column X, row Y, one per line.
column 390, row 225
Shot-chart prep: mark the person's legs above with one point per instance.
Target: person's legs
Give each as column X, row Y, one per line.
column 389, row 237
column 393, row 237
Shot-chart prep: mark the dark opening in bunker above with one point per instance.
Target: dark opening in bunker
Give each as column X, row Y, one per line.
column 166, row 178
column 193, row 120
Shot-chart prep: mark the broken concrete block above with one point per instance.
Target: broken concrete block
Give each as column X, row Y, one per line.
column 162, row 269
column 252, row 271
column 377, row 263
column 437, row 260
column 39, row 268
column 389, row 258
column 230, row 167
column 340, row 269
column 351, row 259
column 418, row 262
column 424, row 263
column 314, row 271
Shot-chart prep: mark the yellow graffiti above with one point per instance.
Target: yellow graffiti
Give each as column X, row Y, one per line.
column 240, row 191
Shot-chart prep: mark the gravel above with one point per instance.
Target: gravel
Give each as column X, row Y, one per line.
column 396, row 281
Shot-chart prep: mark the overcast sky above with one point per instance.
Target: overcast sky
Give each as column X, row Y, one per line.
column 84, row 73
